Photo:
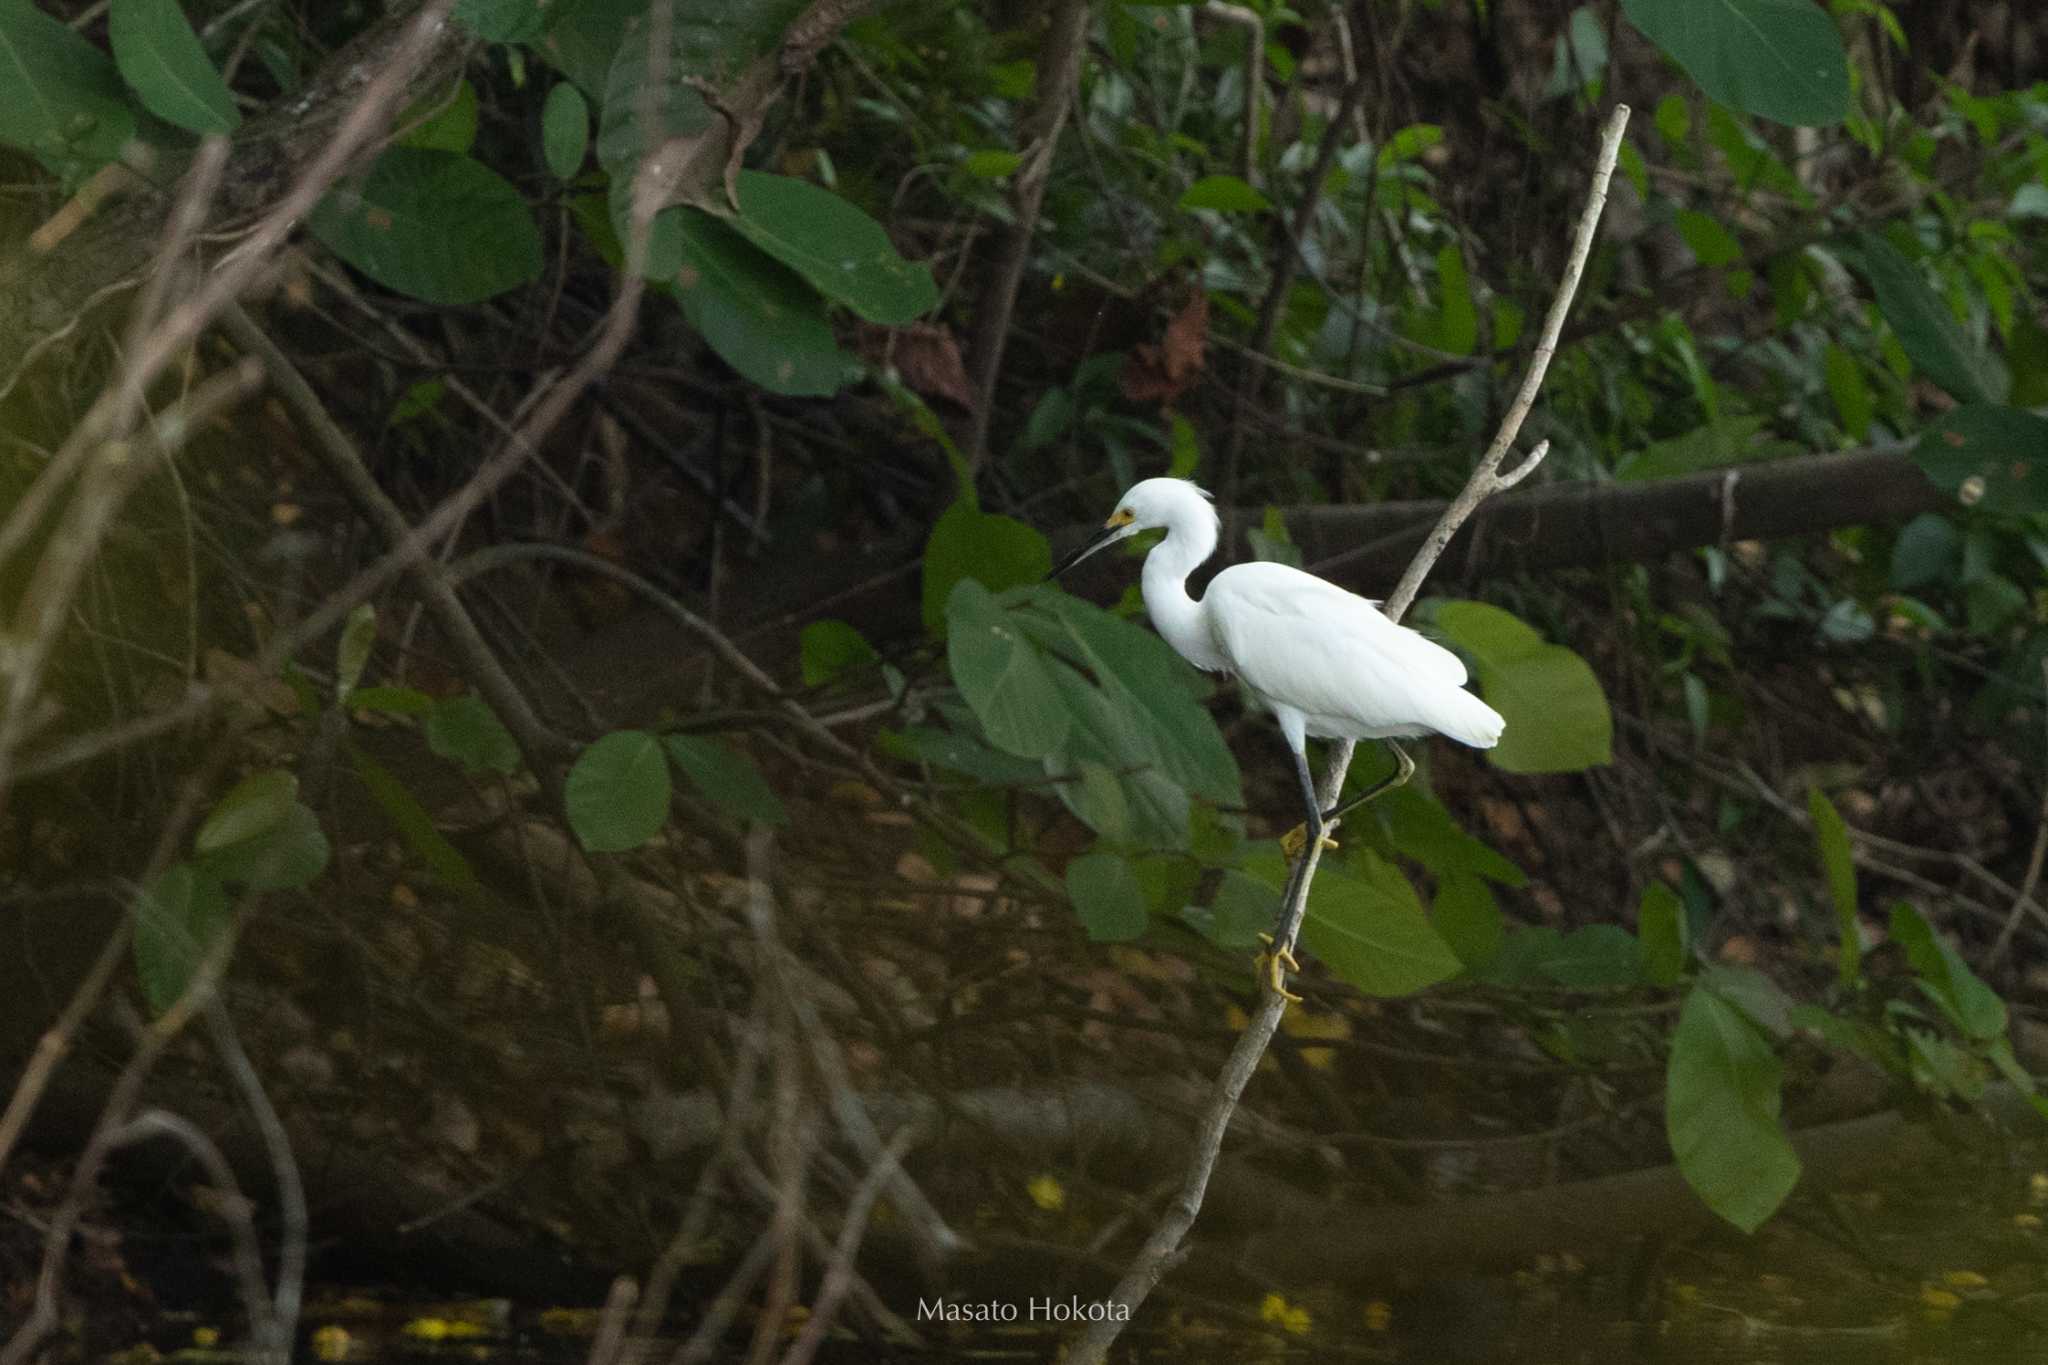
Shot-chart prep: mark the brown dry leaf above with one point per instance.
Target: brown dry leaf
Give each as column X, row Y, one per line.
column 225, row 671
column 1163, row 372
column 926, row 354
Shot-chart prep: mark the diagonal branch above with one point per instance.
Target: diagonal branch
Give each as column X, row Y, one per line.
column 1163, row 1249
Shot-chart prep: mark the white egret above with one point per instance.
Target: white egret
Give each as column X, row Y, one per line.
column 1323, row 660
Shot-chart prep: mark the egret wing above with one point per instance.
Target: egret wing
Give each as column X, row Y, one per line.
column 1307, row 643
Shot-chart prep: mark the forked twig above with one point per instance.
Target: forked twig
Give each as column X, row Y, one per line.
column 1163, row 1250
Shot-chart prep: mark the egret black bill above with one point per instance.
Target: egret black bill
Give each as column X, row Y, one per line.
column 1117, row 528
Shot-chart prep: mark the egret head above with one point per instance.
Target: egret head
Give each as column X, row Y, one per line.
column 1173, row 503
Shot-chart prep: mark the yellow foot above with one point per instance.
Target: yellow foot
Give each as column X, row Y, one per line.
column 1273, row 968
column 1296, row 839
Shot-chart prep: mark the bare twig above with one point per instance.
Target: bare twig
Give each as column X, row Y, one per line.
column 1059, row 74
column 1163, row 1249
column 839, row 1273
column 436, row 585
column 109, row 1133
column 55, row 1043
column 275, row 1330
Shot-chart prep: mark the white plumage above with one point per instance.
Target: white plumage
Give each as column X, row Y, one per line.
column 1324, row 660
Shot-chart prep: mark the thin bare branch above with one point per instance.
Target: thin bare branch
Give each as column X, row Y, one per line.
column 1163, row 1249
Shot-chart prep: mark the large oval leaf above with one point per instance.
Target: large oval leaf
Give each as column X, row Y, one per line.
column 565, row 130
column 161, row 58
column 1002, row 676
column 60, row 97
column 1926, row 327
column 618, row 793
column 1991, row 457
column 176, row 920
column 253, row 806
column 433, row 225
column 1106, row 896
column 762, row 320
column 966, row 542
column 1556, row 713
column 844, row 254
column 1779, row 59
column 726, row 777
column 468, row 731
column 1722, row 1094
column 289, row 854
column 1143, row 675
column 1365, row 922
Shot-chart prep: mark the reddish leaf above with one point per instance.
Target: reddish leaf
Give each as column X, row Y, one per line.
column 1161, row 373
column 925, row 354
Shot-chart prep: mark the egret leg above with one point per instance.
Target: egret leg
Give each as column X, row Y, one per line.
column 1296, row 839
column 1404, row 768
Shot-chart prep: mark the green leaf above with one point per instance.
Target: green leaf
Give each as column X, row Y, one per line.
column 1556, row 714
column 466, row 730
column 432, row 225
column 618, row 792
column 1242, row 908
column 60, row 97
column 1854, row 404
column 1409, row 143
column 726, row 778
column 1420, row 828
column 163, row 61
column 844, row 254
column 1152, row 685
column 259, row 802
column 761, row 319
column 1002, row 675
column 510, row 21
column 1974, row 1007
column 991, row 164
column 176, row 920
column 709, row 45
column 1595, row 957
column 1366, row 923
column 1723, row 1095
column 442, row 123
column 565, row 130
column 962, row 753
column 1925, row 325
column 416, row 827
column 1225, row 194
column 587, row 36
column 391, row 701
column 1454, row 326
column 968, row 543
column 1660, row 925
column 831, row 648
column 1724, row 441
column 352, row 655
column 1468, row 919
column 1990, row 457
column 1779, row 59
column 1713, row 244
column 1832, row 836
column 1125, row 792
column 288, row 854
column 1106, row 896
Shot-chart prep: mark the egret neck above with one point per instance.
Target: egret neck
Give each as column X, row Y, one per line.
column 1175, row 615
